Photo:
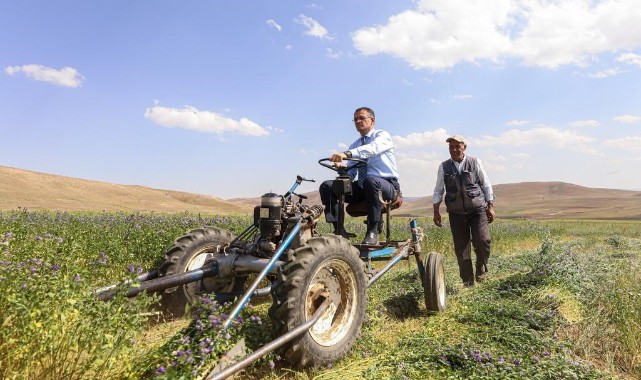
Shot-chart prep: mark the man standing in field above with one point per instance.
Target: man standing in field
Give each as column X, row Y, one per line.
column 469, row 200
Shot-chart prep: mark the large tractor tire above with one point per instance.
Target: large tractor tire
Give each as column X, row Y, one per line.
column 325, row 267
column 434, row 283
column 190, row 252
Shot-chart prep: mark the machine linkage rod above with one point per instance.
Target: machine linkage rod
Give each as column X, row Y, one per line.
column 404, row 252
column 271, row 346
column 143, row 277
column 162, row 282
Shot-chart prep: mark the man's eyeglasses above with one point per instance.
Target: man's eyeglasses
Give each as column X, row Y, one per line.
column 361, row 119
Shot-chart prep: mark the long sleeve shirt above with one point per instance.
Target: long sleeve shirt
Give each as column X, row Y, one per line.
column 486, row 186
column 377, row 148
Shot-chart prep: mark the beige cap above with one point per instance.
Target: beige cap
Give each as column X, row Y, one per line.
column 457, row 138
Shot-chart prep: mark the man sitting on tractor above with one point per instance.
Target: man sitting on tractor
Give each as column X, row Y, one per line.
column 379, row 176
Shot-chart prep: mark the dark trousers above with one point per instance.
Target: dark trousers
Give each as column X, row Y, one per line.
column 463, row 227
column 372, row 186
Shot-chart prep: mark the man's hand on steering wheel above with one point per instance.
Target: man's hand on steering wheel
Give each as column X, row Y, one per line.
column 337, row 157
column 341, row 164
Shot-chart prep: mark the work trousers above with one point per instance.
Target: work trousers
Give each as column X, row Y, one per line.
column 372, row 186
column 475, row 226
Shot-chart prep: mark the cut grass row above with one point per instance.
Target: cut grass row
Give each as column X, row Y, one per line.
column 563, row 301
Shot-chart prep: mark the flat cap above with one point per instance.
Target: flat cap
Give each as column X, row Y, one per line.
column 457, row 138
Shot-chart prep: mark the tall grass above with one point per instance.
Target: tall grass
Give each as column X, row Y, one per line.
column 563, row 301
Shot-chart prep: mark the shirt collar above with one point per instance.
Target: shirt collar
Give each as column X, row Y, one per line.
column 462, row 161
column 369, row 134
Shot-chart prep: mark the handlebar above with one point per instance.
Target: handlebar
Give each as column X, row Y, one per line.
column 299, row 180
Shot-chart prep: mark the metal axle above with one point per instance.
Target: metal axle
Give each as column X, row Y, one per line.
column 224, row 266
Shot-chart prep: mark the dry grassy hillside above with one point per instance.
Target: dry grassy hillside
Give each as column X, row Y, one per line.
column 552, row 200
column 33, row 190
column 538, row 200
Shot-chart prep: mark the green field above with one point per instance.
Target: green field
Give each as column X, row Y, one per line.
column 563, row 301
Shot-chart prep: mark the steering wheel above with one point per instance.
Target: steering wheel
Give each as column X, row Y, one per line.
column 359, row 164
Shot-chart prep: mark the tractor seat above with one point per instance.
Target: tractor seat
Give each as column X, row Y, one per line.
column 360, row 208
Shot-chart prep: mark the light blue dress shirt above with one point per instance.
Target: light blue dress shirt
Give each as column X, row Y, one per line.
column 378, row 150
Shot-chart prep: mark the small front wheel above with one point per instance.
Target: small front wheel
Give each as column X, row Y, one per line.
column 326, row 267
column 434, row 283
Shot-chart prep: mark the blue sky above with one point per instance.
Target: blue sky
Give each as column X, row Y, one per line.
column 235, row 98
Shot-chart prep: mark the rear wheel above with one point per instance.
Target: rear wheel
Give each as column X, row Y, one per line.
column 434, row 283
column 190, row 252
column 325, row 267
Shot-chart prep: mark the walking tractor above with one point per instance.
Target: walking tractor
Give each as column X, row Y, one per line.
column 318, row 282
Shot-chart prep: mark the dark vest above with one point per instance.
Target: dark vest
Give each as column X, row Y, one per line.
column 463, row 192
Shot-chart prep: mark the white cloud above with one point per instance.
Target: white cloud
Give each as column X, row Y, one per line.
column 630, row 58
column 632, row 143
column 517, row 123
column 314, row 28
column 66, row 77
column 441, row 33
column 332, row 54
column 436, row 137
column 274, row 24
column 438, row 34
column 584, row 123
column 605, row 73
column 202, row 121
column 628, row 119
column 274, row 129
column 541, row 135
column 462, row 97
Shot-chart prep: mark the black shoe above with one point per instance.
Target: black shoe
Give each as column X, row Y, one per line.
column 379, row 227
column 371, row 238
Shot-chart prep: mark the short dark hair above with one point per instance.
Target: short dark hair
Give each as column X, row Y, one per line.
column 367, row 109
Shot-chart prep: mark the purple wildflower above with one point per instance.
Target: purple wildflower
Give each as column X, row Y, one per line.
column 161, row 370
column 131, row 268
column 272, row 365
column 38, row 238
column 76, row 278
column 517, row 362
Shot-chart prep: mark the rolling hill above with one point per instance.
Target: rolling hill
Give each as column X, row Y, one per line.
column 32, row 190
column 536, row 200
